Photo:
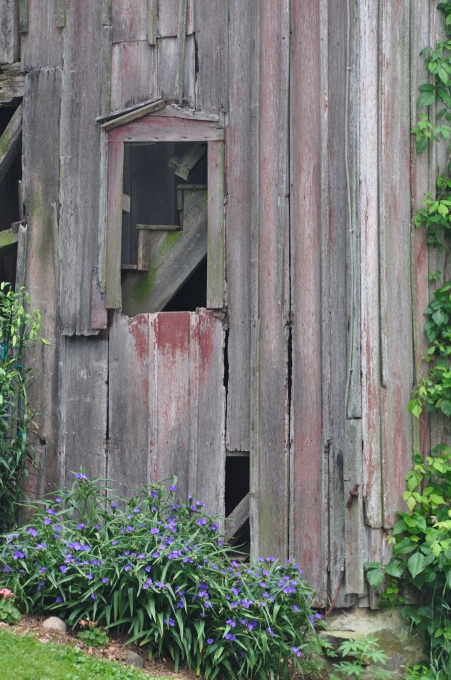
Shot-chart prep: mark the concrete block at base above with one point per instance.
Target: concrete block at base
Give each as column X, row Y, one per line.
column 54, row 623
column 395, row 637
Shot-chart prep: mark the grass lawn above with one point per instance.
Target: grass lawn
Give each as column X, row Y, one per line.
column 23, row 658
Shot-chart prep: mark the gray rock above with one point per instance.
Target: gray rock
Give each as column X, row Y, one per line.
column 134, row 659
column 394, row 636
column 54, row 623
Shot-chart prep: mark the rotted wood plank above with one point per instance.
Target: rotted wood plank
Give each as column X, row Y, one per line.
column 41, row 137
column 9, row 32
column 116, row 120
column 42, row 42
column 129, row 20
column 215, row 260
column 10, row 142
column 12, row 82
column 134, row 74
column 273, row 286
column 154, row 128
column 84, row 400
column 395, row 240
column 369, row 221
column 61, row 14
column 173, row 257
column 80, row 183
column 212, row 41
column 131, row 356
column 237, row 220
column 310, row 448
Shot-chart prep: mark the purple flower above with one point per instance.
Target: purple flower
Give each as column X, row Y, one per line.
column 58, row 600
column 201, row 522
column 159, row 584
column 271, row 632
column 270, row 559
column 154, row 509
column 93, row 596
column 42, row 569
column 154, row 530
column 175, row 506
column 17, row 554
column 6, row 570
column 210, row 641
column 57, row 528
column 127, row 568
column 136, row 510
column 169, row 621
column 130, row 528
column 104, row 580
column 89, row 576
column 173, row 487
column 154, row 494
column 155, row 554
column 229, row 636
column 33, row 532
column 57, row 500
column 145, row 586
column 50, row 511
column 296, row 651
column 231, row 623
column 214, row 527
column 47, row 520
column 114, row 505
column 114, row 542
column 296, row 608
column 80, row 475
column 42, row 546
column 148, row 568
column 63, row 568
column 80, row 526
column 251, row 625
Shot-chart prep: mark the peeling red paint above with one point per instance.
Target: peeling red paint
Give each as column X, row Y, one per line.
column 139, row 333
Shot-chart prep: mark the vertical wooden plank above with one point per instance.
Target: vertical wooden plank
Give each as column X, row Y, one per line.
column 41, row 135
column 210, row 413
column 172, row 447
column 22, row 251
column 167, row 67
column 212, row 37
column 215, row 257
column 308, row 539
column 181, row 44
column 80, row 177
column 395, row 214
column 129, row 20
column 189, row 84
column 168, row 18
column 42, row 42
column 113, row 296
column 83, row 399
column 134, row 74
column 130, row 402
column 369, row 216
column 273, row 289
column 9, row 32
column 238, row 220
column 23, row 16
column 61, row 14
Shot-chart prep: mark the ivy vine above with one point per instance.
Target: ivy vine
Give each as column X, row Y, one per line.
column 434, row 391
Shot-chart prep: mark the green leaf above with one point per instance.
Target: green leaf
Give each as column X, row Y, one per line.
column 394, row 569
column 375, row 576
column 422, row 145
column 426, row 99
column 415, row 564
column 445, row 406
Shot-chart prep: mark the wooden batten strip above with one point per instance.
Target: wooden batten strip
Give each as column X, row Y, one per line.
column 237, row 518
column 111, row 123
column 23, row 16
column 61, row 14
column 181, row 45
column 152, row 18
column 159, row 227
column 10, row 142
column 113, row 295
column 21, row 262
column 215, row 257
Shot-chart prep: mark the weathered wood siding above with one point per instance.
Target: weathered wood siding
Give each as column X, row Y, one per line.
column 307, row 362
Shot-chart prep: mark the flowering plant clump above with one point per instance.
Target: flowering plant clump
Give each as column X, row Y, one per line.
column 8, row 612
column 92, row 634
column 157, row 568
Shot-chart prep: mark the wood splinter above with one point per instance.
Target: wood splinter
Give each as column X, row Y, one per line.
column 353, row 493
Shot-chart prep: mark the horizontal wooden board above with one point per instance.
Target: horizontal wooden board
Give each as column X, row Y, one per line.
column 156, row 128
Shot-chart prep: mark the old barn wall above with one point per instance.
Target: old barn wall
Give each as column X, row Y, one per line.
column 308, row 368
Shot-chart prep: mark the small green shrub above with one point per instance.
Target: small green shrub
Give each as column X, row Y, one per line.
column 8, row 612
column 156, row 568
column 19, row 330
column 356, row 655
column 421, row 559
column 92, row 634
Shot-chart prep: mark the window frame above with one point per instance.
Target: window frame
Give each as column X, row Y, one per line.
column 167, row 125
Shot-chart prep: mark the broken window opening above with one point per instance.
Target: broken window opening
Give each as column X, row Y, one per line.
column 237, row 486
column 10, row 181
column 164, row 226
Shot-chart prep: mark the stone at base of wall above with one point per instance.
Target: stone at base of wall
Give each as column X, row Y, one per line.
column 395, row 637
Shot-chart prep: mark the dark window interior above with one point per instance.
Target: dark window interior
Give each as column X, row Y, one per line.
column 9, row 198
column 153, row 175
